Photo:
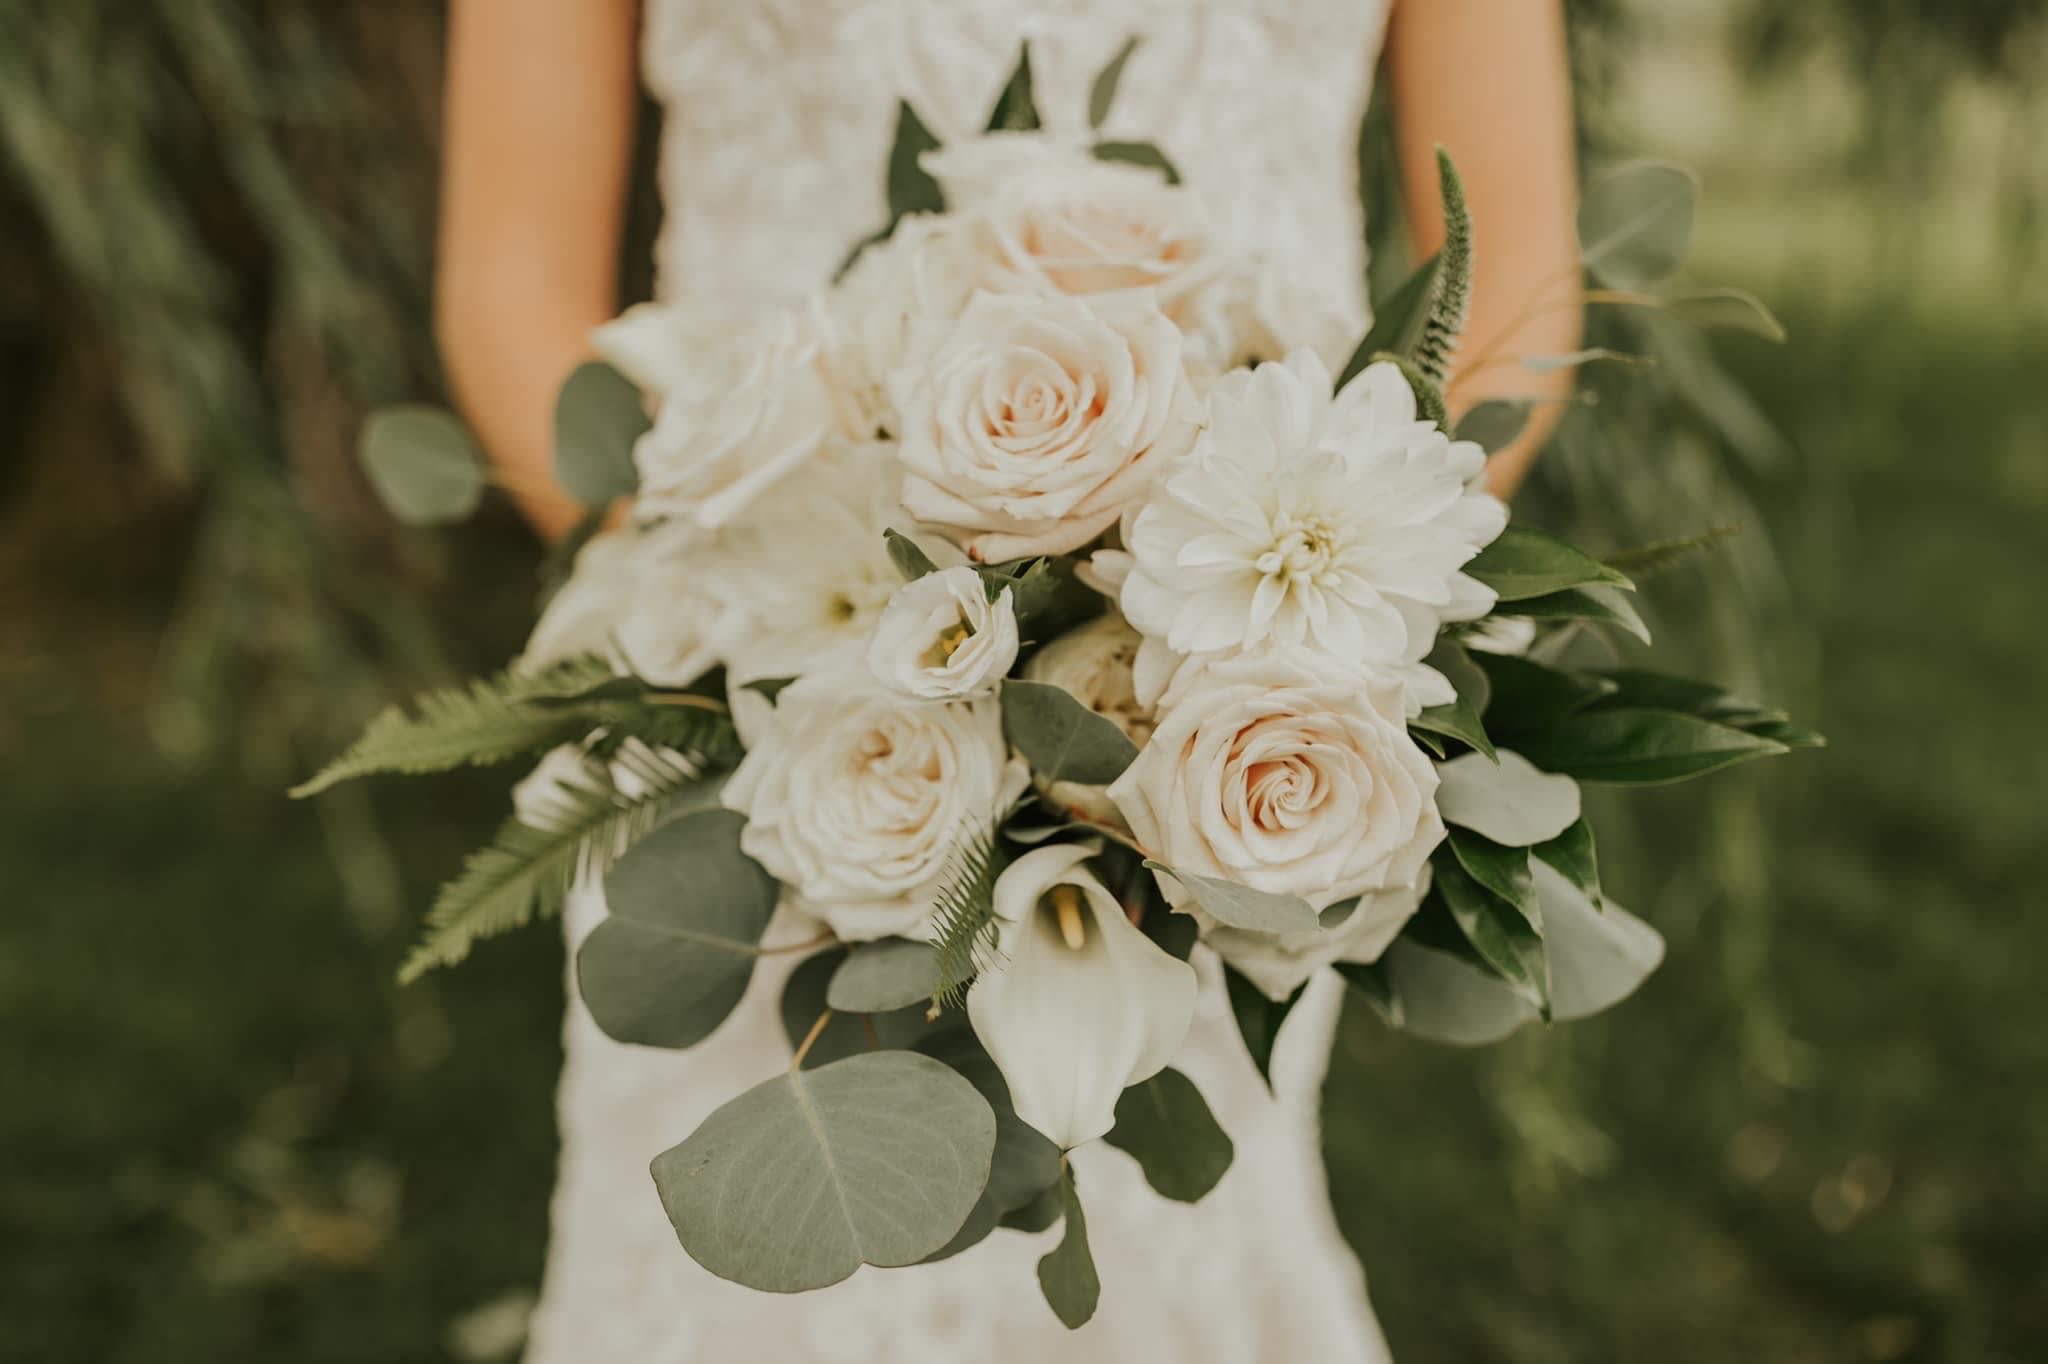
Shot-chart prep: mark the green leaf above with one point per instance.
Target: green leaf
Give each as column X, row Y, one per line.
column 911, row 188
column 1397, row 320
column 1642, row 747
column 1647, row 561
column 1574, row 854
column 1636, row 221
column 877, row 1159
column 1062, row 739
column 1173, row 933
column 1046, row 597
column 1460, row 719
column 1166, row 1127
column 1509, row 800
column 1637, row 689
column 1493, row 425
column 528, row 871
column 1258, row 1018
column 844, row 1035
column 1523, row 563
column 1237, row 906
column 894, row 973
column 1453, row 295
column 1035, row 1216
column 1016, row 108
column 422, row 463
column 1531, row 696
column 911, row 561
column 1502, row 870
column 1066, row 1274
column 599, row 416
column 1499, row 933
column 1600, row 604
column 1026, row 1163
column 1102, row 95
column 963, row 925
column 1146, row 154
column 1371, row 981
column 675, row 953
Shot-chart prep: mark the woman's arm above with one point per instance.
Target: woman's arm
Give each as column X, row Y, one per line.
column 1489, row 81
column 537, row 147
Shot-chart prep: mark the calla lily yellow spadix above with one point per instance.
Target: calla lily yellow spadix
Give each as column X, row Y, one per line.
column 1079, row 1004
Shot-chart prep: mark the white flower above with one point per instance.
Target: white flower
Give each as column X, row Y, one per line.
column 1093, row 665
column 1279, row 963
column 1338, row 523
column 941, row 637
column 1080, row 1004
column 924, row 273
column 1287, row 773
column 809, row 569
column 855, row 798
column 1257, row 310
column 583, row 615
column 1032, row 422
column 669, row 629
column 740, row 403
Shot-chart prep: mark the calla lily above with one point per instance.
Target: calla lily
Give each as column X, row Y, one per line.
column 1081, row 1004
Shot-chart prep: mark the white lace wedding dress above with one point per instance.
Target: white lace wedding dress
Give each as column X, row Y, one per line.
column 780, row 118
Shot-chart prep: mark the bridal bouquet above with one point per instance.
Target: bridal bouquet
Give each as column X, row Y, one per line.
column 1056, row 609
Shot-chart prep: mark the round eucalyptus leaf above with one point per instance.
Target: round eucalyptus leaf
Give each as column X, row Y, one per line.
column 422, row 463
column 1062, row 739
column 844, row 1035
column 1494, row 425
column 1255, row 911
column 1508, row 800
column 599, row 416
column 674, row 956
column 1165, row 1125
column 1635, row 222
column 1026, row 1163
column 877, row 1159
column 894, row 973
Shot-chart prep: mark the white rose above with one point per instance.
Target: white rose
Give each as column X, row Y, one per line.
column 740, row 403
column 1257, row 310
column 855, row 799
column 941, row 638
column 1287, row 773
column 1032, row 422
column 1279, row 963
column 924, row 273
column 1093, row 665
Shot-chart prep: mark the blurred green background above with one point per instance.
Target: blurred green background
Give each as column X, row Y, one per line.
column 1818, row 1135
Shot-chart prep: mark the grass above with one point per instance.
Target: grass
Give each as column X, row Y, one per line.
column 1814, row 1136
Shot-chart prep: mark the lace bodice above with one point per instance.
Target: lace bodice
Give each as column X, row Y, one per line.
column 780, row 115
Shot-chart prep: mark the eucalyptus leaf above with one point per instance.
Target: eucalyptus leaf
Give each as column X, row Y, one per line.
column 910, row 560
column 844, row 1035
column 1258, row 1017
column 674, row 955
column 876, row 1159
column 599, row 416
column 1102, row 95
column 877, row 977
column 1599, row 603
column 1523, row 563
column 1062, row 739
column 1016, row 108
column 1508, row 800
column 1643, row 747
column 422, row 463
column 1636, row 222
column 1164, row 1124
column 1494, row 425
column 1237, row 906
column 1035, row 1216
column 1066, row 1274
column 1145, row 154
column 1026, row 1164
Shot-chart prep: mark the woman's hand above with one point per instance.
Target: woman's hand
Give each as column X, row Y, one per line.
column 1489, row 82
column 536, row 151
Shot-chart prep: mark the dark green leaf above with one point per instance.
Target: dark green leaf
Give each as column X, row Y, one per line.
column 1172, row 933
column 1573, row 853
column 911, row 561
column 674, row 956
column 911, row 187
column 1524, row 563
column 1396, row 320
column 1144, row 154
column 1498, row 932
column 1026, row 1163
column 422, row 463
column 599, row 416
column 1460, row 719
column 1237, row 906
column 1635, row 222
column 1258, row 1018
column 1165, row 1125
column 877, row 1159
column 1062, row 739
column 803, row 1000
column 1046, row 596
column 1530, row 696
column 894, row 973
column 1066, row 1274
column 1642, row 747
column 1604, row 605
column 1500, row 869
column 1102, row 95
column 1373, row 984
column 1035, row 1216
column 1016, row 108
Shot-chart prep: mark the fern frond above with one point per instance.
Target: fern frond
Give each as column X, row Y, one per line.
column 489, row 720
column 1647, row 561
column 964, row 928
column 527, row 870
column 1453, row 297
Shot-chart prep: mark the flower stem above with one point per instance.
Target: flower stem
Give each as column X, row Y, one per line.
column 796, row 1062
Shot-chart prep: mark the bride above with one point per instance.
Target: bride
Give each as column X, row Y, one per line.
column 779, row 121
